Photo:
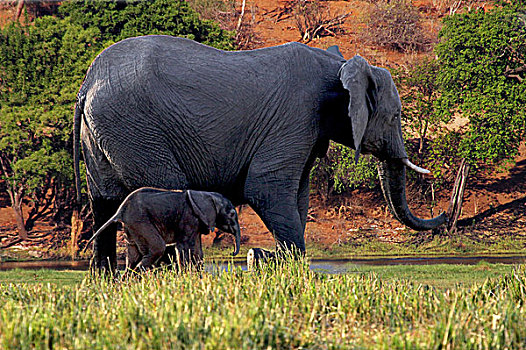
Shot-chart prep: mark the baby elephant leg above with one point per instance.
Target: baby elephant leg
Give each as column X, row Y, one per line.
column 150, row 244
column 133, row 256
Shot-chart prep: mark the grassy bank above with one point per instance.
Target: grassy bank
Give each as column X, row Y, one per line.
column 363, row 246
column 412, row 244
column 368, row 246
column 288, row 307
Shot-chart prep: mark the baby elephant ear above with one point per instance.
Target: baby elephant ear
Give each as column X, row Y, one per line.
column 203, row 206
column 357, row 78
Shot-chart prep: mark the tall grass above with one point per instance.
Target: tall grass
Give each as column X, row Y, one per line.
column 281, row 306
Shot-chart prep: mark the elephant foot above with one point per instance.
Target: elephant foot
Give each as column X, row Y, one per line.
column 258, row 256
column 106, row 270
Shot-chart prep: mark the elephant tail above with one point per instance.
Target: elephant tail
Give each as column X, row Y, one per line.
column 114, row 218
column 79, row 108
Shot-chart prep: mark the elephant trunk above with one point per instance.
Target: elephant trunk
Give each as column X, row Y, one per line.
column 392, row 179
column 237, row 235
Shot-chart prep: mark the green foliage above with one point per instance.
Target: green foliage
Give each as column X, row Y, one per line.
column 338, row 172
column 419, row 92
column 41, row 69
column 481, row 54
column 443, row 153
column 125, row 19
column 281, row 307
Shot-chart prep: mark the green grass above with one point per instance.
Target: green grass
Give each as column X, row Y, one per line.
column 42, row 276
column 281, row 307
column 440, row 275
column 373, row 247
column 367, row 245
column 437, row 246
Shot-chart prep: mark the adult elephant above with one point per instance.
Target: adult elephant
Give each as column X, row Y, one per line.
column 171, row 113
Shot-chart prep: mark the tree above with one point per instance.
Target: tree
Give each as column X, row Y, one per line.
column 118, row 20
column 41, row 68
column 419, row 92
column 482, row 57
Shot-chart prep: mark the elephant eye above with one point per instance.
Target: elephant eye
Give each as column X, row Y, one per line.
column 396, row 117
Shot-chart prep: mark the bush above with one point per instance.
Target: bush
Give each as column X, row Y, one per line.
column 314, row 20
column 118, row 20
column 483, row 59
column 338, row 172
column 41, row 69
column 395, row 25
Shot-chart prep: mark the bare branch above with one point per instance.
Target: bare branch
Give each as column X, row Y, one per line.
column 241, row 15
column 513, row 73
column 19, row 8
column 312, row 22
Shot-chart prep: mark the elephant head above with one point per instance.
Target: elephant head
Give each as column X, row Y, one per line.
column 215, row 210
column 374, row 110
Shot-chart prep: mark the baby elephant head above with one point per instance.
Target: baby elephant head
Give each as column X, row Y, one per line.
column 215, row 210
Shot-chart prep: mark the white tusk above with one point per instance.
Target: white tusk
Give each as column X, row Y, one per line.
column 416, row 168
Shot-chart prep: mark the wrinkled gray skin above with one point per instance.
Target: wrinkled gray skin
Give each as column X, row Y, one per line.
column 169, row 112
column 153, row 218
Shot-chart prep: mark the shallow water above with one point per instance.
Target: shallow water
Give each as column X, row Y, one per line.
column 321, row 265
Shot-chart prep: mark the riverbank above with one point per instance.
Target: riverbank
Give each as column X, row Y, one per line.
column 366, row 247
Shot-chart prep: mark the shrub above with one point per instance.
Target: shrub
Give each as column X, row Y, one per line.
column 338, row 172
column 483, row 59
column 314, row 20
column 118, row 20
column 395, row 25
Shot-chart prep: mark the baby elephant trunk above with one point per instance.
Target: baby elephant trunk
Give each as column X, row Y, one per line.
column 237, row 235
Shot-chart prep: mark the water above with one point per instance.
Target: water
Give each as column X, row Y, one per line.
column 321, row 265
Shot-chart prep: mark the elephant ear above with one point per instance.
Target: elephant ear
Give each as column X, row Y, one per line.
column 204, row 207
column 357, row 78
column 334, row 49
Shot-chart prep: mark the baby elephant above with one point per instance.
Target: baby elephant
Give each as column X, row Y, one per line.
column 154, row 218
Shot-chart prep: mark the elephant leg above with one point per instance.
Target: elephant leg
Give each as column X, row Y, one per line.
column 170, row 255
column 149, row 243
column 197, row 253
column 271, row 188
column 106, row 192
column 190, row 252
column 303, row 199
column 133, row 256
column 285, row 224
column 304, row 191
column 278, row 208
column 149, row 259
column 105, row 247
